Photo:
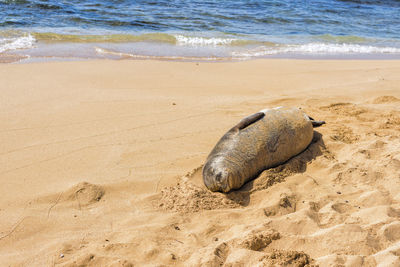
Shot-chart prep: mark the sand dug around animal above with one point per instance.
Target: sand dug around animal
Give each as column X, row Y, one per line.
column 101, row 165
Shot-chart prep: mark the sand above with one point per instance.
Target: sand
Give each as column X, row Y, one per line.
column 101, row 165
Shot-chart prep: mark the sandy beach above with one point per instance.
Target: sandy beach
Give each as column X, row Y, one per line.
column 101, row 164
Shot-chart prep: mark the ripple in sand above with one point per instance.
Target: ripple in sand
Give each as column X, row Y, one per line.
column 385, row 99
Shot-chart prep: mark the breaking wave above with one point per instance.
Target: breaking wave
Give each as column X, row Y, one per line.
column 317, row 48
column 12, row 41
column 186, row 46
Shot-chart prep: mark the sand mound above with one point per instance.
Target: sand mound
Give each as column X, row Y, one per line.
column 259, row 240
column 187, row 197
column 385, row 99
column 390, row 121
column 249, row 249
column 85, row 194
column 346, row 109
column 287, row 258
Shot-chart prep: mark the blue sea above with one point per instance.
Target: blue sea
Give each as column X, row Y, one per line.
column 199, row 30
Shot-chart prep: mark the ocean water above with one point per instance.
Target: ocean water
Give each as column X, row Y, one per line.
column 199, row 30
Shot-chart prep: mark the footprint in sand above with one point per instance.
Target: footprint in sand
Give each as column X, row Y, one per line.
column 285, row 205
column 345, row 135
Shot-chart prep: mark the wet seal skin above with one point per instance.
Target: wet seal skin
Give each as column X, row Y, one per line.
column 260, row 141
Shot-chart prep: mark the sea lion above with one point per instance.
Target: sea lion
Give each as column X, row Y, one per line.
column 260, row 141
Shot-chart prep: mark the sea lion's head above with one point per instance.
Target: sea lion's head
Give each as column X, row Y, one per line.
column 216, row 176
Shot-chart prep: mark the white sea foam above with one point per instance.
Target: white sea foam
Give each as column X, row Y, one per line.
column 318, row 48
column 202, row 41
column 18, row 42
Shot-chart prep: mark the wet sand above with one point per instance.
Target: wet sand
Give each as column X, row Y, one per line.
column 101, row 164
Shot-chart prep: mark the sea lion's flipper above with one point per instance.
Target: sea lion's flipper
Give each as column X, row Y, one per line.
column 249, row 120
column 317, row 123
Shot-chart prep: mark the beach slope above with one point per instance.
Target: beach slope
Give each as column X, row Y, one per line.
column 101, row 164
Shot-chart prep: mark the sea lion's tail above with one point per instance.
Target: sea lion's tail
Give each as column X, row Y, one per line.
column 316, row 123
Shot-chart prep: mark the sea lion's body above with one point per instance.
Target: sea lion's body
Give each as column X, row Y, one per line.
column 260, row 141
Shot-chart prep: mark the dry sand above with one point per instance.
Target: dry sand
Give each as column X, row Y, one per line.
column 101, row 165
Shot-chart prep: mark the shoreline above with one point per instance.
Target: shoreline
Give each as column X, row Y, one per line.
column 19, row 58
column 172, row 46
column 102, row 164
